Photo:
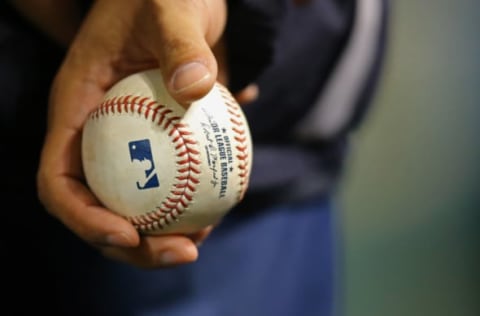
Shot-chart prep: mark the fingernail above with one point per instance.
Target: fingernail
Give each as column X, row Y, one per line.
column 169, row 257
column 173, row 257
column 119, row 240
column 189, row 75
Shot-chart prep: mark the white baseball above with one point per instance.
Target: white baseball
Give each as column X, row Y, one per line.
column 162, row 167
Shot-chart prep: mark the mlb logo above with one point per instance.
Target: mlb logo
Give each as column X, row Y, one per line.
column 142, row 160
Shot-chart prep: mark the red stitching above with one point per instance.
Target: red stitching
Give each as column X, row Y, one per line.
column 242, row 147
column 181, row 193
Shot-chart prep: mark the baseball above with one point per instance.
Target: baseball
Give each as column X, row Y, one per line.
column 164, row 168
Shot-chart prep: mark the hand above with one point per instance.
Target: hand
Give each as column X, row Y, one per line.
column 116, row 39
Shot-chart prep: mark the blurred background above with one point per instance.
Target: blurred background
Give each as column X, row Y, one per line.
column 411, row 199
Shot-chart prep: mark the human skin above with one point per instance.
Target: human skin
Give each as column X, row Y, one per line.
column 117, row 38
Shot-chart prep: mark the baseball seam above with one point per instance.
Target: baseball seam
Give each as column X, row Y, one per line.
column 242, row 146
column 187, row 153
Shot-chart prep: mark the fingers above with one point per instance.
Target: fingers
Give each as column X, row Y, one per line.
column 160, row 251
column 184, row 53
column 199, row 237
column 60, row 183
column 116, row 39
column 156, row 252
column 248, row 94
column 64, row 195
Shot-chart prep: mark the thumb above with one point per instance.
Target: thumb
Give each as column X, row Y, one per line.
column 186, row 31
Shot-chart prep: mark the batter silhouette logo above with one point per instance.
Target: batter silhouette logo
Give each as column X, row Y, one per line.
column 142, row 161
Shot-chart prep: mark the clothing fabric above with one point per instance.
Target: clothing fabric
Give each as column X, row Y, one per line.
column 274, row 254
column 245, row 268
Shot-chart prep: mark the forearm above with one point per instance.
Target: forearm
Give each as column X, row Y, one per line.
column 58, row 19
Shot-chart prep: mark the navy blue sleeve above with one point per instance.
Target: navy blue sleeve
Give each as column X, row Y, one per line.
column 250, row 33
